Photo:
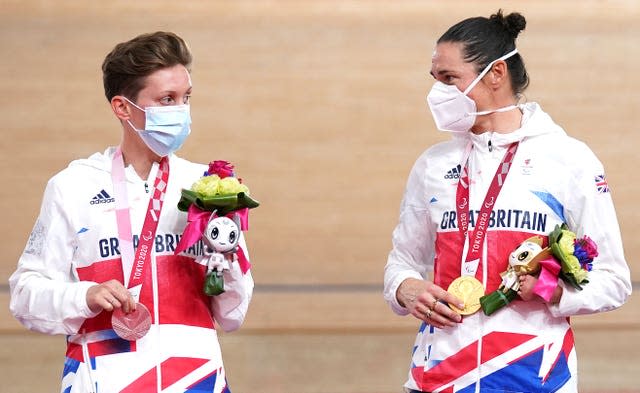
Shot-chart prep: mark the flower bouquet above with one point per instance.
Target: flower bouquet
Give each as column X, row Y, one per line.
column 218, row 194
column 217, row 190
column 567, row 258
column 575, row 255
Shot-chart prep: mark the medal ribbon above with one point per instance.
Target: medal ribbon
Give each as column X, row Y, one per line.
column 130, row 263
column 476, row 238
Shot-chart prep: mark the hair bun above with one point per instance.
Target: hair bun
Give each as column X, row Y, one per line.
column 514, row 23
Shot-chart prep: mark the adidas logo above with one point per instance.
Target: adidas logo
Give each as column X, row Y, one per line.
column 101, row 197
column 453, row 173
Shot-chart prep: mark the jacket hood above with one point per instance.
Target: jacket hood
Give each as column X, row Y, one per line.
column 104, row 161
column 101, row 161
column 535, row 122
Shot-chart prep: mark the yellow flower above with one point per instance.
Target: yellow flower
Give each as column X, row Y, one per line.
column 231, row 186
column 566, row 242
column 213, row 185
column 580, row 275
column 571, row 263
column 207, row 186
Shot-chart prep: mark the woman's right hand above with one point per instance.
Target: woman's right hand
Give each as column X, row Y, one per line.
column 108, row 296
column 426, row 301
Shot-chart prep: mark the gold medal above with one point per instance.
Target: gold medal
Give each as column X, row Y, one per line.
column 469, row 290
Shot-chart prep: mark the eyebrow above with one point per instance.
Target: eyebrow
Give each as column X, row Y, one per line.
column 441, row 72
column 172, row 91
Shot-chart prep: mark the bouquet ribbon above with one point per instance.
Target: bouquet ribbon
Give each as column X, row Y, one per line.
column 197, row 220
column 548, row 279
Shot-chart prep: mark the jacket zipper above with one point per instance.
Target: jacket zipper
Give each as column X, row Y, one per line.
column 87, row 362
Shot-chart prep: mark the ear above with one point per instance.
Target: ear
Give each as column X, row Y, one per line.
column 212, row 216
column 120, row 108
column 535, row 239
column 236, row 219
column 498, row 74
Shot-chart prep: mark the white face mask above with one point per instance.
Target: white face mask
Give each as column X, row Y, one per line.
column 166, row 127
column 452, row 109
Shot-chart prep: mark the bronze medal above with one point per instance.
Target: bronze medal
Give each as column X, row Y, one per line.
column 132, row 326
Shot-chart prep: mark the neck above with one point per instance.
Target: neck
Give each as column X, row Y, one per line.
column 500, row 122
column 137, row 154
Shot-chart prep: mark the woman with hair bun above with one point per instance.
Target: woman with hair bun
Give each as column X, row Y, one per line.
column 508, row 174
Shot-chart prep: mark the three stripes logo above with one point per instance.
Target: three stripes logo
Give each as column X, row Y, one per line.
column 454, row 173
column 101, row 197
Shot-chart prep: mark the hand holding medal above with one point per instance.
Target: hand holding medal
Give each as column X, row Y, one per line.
column 130, row 320
column 432, row 304
column 427, row 302
column 109, row 296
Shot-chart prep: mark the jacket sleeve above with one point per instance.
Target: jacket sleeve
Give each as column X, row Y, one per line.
column 45, row 294
column 590, row 212
column 230, row 307
column 412, row 253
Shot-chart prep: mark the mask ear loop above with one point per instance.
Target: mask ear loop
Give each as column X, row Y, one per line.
column 486, row 69
column 133, row 103
column 505, row 109
column 129, row 121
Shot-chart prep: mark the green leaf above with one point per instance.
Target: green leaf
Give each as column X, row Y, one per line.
column 223, row 204
column 496, row 300
column 554, row 236
column 570, row 279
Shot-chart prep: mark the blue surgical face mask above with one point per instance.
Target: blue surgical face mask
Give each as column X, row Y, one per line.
column 165, row 127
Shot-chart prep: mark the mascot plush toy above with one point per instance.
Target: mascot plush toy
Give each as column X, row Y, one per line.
column 221, row 238
column 523, row 260
column 568, row 258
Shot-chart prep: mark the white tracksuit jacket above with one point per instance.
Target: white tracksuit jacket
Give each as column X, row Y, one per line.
column 526, row 346
column 74, row 245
